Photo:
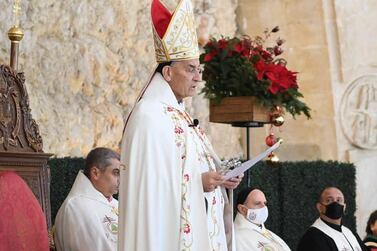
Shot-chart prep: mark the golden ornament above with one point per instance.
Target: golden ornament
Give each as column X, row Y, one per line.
column 277, row 120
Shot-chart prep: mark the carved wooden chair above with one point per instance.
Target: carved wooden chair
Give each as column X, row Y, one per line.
column 20, row 142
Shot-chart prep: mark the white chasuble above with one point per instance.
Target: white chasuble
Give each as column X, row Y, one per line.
column 250, row 237
column 345, row 240
column 86, row 221
column 162, row 202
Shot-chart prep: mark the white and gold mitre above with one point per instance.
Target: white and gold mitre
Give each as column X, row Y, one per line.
column 174, row 33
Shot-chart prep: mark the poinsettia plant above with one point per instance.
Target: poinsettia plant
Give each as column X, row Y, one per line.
column 246, row 67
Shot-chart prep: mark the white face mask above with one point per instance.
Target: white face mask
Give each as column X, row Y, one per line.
column 257, row 216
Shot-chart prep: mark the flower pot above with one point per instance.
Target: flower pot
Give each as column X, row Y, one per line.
column 238, row 109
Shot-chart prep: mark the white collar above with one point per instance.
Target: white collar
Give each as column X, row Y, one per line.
column 83, row 187
column 242, row 222
column 160, row 90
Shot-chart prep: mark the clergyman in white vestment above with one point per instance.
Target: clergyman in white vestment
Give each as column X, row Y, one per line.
column 251, row 234
column 171, row 196
column 88, row 218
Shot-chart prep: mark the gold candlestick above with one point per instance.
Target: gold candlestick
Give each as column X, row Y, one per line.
column 15, row 34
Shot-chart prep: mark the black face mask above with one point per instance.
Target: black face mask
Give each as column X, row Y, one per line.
column 334, row 210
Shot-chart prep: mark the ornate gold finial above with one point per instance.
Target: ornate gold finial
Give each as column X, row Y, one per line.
column 15, row 33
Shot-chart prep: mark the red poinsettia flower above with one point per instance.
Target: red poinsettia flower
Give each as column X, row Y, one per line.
column 238, row 47
column 242, row 49
column 222, row 43
column 281, row 78
column 274, row 88
column 209, row 56
column 261, row 68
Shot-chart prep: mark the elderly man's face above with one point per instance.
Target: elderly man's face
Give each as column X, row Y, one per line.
column 254, row 200
column 184, row 77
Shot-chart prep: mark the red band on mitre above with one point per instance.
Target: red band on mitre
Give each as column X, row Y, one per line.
column 160, row 17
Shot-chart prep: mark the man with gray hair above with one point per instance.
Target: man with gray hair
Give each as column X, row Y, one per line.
column 172, row 194
column 88, row 218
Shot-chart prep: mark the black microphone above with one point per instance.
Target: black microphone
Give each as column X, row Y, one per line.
column 195, row 123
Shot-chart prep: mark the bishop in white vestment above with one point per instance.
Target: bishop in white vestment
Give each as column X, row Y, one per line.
column 161, row 186
column 164, row 203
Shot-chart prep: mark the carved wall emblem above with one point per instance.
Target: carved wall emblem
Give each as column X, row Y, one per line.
column 359, row 112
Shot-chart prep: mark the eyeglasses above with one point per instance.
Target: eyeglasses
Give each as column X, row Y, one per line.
column 192, row 69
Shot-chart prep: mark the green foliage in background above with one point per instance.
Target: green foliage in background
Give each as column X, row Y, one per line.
column 63, row 173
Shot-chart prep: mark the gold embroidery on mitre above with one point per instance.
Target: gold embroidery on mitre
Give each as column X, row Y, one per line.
column 180, row 41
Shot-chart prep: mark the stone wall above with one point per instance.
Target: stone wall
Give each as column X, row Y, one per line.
column 85, row 62
column 355, row 94
column 330, row 43
column 302, row 27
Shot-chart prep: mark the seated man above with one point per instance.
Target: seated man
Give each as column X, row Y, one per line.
column 88, row 218
column 327, row 233
column 249, row 228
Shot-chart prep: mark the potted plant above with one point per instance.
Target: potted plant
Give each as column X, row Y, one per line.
column 246, row 81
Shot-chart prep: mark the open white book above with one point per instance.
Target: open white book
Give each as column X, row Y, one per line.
column 246, row 165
